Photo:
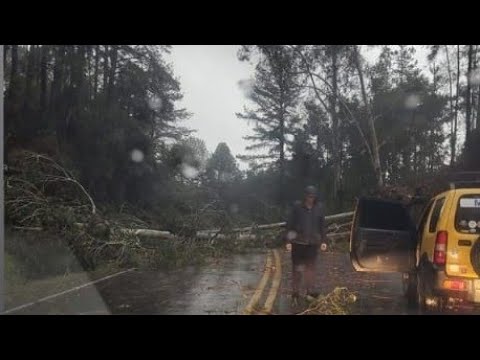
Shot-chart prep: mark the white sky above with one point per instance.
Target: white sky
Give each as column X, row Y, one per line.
column 209, row 76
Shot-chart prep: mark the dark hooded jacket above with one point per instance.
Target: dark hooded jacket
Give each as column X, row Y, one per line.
column 308, row 225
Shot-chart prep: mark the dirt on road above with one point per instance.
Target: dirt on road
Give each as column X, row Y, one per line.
column 377, row 294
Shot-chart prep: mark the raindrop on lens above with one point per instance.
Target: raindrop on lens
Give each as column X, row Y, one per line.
column 412, row 102
column 137, row 155
column 189, row 171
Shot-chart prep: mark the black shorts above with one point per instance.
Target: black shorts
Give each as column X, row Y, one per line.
column 304, row 254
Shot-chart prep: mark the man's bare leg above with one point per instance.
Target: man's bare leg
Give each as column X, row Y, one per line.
column 310, row 278
column 296, row 280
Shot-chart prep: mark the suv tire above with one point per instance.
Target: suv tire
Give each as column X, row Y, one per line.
column 410, row 290
column 475, row 257
column 425, row 291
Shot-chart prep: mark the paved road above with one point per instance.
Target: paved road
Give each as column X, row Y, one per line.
column 378, row 294
column 223, row 287
column 255, row 283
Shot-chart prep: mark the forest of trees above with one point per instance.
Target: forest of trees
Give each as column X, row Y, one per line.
column 328, row 116
column 320, row 114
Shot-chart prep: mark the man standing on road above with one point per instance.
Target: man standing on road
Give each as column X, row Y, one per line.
column 306, row 232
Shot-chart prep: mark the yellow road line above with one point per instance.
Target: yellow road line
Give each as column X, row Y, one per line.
column 261, row 286
column 277, row 279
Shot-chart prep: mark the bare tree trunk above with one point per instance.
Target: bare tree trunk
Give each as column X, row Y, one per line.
column 282, row 146
column 113, row 69
column 312, row 76
column 5, row 52
column 89, row 71
column 30, row 69
column 43, row 79
column 477, row 125
column 414, row 145
column 478, row 109
column 432, row 152
column 105, row 69
column 57, row 76
column 29, row 77
column 13, row 71
column 333, row 114
column 77, row 66
column 280, row 79
column 474, row 93
column 468, row 110
column 371, row 123
column 11, row 104
column 282, row 161
column 11, row 94
column 37, row 67
column 95, row 80
column 452, row 108
column 80, row 71
column 77, row 95
column 457, row 95
column 56, row 90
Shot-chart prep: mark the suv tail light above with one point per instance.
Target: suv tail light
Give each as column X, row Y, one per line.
column 440, row 252
column 455, row 285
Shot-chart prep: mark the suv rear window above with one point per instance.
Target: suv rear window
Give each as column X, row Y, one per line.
column 437, row 210
column 467, row 218
column 382, row 215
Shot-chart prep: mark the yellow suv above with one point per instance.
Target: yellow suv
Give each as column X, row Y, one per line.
column 439, row 257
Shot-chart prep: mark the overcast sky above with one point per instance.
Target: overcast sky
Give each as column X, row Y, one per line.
column 209, row 76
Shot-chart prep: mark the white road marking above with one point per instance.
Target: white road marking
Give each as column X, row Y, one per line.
column 66, row 292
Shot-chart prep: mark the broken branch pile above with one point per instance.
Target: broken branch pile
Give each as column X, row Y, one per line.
column 338, row 302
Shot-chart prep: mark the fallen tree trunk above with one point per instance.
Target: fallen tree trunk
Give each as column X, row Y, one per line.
column 139, row 232
column 215, row 234
column 332, row 236
column 28, row 228
column 236, row 236
column 342, row 216
column 330, row 218
column 336, row 227
column 147, row 233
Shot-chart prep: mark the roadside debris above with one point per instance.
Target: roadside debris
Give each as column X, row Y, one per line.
column 338, row 302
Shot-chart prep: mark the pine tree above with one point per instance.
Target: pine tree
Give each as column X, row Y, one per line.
column 276, row 94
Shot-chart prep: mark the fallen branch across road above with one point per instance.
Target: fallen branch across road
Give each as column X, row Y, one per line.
column 147, row 233
column 338, row 217
column 204, row 236
column 336, row 227
column 138, row 232
column 238, row 233
column 328, row 219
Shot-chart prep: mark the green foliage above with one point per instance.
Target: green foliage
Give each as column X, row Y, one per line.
column 410, row 111
column 111, row 109
column 222, row 166
column 276, row 93
column 108, row 117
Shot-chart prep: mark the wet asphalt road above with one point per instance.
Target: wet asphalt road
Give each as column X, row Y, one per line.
column 221, row 288
column 224, row 288
column 378, row 294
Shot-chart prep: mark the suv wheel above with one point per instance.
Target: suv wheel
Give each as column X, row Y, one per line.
column 410, row 289
column 475, row 257
column 421, row 292
column 427, row 301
